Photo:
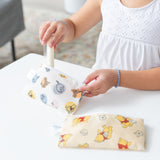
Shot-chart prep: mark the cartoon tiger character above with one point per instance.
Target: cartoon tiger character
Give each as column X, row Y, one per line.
column 44, row 82
column 77, row 93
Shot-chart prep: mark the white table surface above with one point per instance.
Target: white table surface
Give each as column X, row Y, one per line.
column 26, row 127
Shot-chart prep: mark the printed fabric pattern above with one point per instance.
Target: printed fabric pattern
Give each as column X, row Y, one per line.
column 103, row 131
column 54, row 88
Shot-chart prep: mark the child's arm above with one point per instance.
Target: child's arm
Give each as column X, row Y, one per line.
column 144, row 80
column 83, row 20
column 76, row 25
column 107, row 78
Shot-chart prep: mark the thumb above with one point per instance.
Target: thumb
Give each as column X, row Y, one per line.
column 91, row 77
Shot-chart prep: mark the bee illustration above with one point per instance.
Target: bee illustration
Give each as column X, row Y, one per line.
column 63, row 76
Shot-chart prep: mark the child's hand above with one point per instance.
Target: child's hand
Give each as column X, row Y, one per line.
column 54, row 30
column 104, row 79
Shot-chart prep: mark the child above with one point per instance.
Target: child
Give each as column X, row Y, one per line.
column 128, row 51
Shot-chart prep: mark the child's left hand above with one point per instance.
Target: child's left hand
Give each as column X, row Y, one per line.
column 104, row 79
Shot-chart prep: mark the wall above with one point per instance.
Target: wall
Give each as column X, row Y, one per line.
column 49, row 4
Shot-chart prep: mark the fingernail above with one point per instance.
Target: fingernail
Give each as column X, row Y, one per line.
column 50, row 45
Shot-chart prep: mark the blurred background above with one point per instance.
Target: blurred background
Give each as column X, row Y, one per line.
column 20, row 22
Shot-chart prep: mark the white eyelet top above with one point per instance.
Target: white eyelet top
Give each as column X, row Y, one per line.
column 130, row 37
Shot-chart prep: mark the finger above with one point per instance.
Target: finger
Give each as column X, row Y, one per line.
column 57, row 36
column 91, row 94
column 91, row 87
column 43, row 29
column 42, row 26
column 86, row 88
column 91, row 77
column 53, row 43
column 48, row 33
column 95, row 92
column 60, row 40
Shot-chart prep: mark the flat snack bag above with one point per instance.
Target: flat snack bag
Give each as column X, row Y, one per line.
column 54, row 88
column 103, row 131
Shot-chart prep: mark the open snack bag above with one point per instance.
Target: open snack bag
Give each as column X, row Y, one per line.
column 52, row 87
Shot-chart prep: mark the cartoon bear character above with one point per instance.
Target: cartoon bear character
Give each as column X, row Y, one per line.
column 70, row 107
column 104, row 135
column 126, row 122
column 63, row 76
column 77, row 93
column 123, row 144
column 63, row 139
column 32, row 94
column 44, row 82
column 59, row 88
column 86, row 145
column 79, row 120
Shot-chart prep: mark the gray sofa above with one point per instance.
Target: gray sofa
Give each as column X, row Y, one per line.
column 11, row 22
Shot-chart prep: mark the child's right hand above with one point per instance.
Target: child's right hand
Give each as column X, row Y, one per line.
column 55, row 31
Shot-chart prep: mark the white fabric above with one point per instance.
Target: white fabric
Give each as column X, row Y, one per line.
column 130, row 37
column 54, row 88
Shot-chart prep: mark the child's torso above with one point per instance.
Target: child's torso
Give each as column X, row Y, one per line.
column 135, row 3
column 141, row 24
column 130, row 37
